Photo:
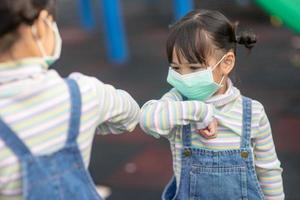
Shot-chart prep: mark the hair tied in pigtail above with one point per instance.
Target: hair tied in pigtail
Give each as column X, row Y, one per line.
column 246, row 38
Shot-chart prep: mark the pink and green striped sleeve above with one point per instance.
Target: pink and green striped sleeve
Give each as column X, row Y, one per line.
column 118, row 111
column 161, row 117
column 267, row 165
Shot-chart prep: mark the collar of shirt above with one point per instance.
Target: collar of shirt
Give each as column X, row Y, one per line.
column 21, row 69
column 231, row 94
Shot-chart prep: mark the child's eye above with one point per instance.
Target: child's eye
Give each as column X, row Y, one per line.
column 196, row 68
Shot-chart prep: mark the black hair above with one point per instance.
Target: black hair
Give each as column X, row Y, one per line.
column 13, row 13
column 198, row 34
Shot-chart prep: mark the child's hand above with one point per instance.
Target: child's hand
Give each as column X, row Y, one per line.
column 211, row 131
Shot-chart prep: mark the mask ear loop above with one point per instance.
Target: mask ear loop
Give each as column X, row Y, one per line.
column 223, row 77
column 55, row 30
column 214, row 67
column 38, row 41
column 220, row 84
column 48, row 22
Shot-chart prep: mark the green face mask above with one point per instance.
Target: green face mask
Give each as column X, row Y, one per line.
column 195, row 86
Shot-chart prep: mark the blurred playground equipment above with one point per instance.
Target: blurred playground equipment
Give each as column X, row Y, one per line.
column 287, row 12
column 283, row 12
column 115, row 34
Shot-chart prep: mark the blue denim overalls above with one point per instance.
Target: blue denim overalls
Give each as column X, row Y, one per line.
column 58, row 176
column 217, row 175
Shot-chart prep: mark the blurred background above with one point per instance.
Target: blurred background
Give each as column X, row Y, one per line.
column 131, row 56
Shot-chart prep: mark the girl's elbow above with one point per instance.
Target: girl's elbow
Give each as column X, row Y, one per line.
column 147, row 126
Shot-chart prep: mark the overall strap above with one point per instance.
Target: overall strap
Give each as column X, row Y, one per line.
column 12, row 141
column 186, row 131
column 246, row 128
column 74, row 123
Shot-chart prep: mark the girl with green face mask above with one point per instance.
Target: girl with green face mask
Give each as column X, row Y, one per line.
column 221, row 141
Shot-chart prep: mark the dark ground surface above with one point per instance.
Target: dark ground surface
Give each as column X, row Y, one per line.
column 137, row 166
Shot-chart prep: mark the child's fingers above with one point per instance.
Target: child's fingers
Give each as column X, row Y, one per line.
column 203, row 132
column 212, row 130
column 206, row 133
column 212, row 136
column 212, row 127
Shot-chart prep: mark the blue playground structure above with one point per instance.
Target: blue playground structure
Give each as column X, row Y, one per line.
column 117, row 47
column 182, row 7
column 86, row 15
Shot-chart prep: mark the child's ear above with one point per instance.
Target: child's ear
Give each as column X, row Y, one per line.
column 40, row 25
column 228, row 63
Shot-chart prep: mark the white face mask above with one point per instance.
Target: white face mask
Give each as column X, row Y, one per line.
column 49, row 59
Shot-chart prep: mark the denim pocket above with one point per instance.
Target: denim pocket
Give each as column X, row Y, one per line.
column 213, row 183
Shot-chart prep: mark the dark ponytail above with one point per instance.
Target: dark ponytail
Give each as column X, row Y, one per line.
column 13, row 13
column 246, row 38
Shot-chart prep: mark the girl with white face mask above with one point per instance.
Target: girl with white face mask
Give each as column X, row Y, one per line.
column 47, row 123
column 221, row 141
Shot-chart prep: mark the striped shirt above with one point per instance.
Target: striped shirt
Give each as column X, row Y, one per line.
column 35, row 103
column 166, row 116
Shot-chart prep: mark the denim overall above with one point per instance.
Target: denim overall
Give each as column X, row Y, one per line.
column 58, row 176
column 217, row 175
